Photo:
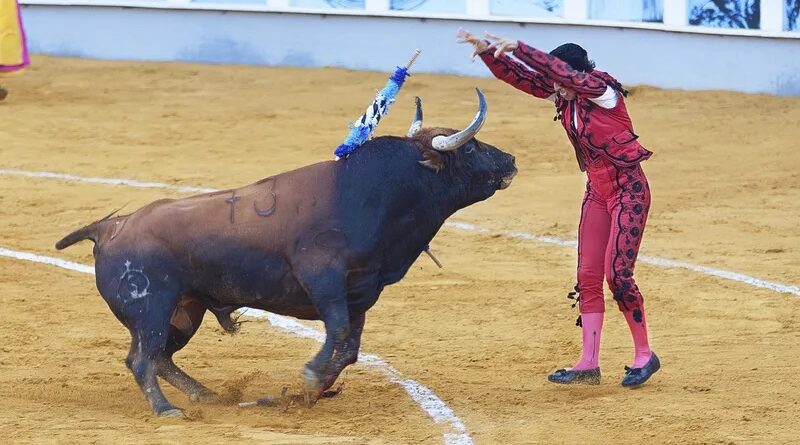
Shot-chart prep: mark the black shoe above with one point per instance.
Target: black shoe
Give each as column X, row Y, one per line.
column 568, row 376
column 637, row 376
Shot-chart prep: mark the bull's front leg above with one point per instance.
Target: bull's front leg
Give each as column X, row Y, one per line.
column 327, row 291
column 347, row 354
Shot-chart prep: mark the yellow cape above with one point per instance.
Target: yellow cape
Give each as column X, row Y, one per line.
column 11, row 40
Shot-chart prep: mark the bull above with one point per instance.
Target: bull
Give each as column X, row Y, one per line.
column 317, row 243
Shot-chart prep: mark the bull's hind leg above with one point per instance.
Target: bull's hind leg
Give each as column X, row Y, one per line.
column 143, row 297
column 185, row 321
column 149, row 340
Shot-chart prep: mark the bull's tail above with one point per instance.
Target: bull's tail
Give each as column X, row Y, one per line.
column 88, row 232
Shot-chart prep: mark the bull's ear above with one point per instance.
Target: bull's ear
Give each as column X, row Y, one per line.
column 432, row 160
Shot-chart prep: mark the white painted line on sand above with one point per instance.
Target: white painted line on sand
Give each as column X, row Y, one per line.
column 106, row 181
column 64, row 264
column 647, row 259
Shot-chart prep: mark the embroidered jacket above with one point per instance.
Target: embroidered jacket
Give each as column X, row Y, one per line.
column 595, row 132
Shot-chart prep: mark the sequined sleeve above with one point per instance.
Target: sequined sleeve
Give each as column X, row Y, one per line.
column 518, row 75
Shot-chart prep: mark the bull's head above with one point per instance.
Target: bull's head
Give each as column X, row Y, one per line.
column 481, row 167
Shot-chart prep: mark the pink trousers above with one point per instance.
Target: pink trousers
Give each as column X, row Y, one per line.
column 613, row 217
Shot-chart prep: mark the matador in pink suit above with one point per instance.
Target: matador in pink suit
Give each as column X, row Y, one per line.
column 13, row 48
column 591, row 107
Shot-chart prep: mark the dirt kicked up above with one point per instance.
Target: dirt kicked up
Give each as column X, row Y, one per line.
column 482, row 333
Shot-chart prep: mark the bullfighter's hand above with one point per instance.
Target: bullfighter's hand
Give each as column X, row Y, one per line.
column 479, row 45
column 501, row 44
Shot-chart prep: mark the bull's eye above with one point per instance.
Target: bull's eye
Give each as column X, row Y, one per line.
column 470, row 148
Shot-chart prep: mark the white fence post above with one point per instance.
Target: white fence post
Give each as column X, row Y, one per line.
column 479, row 8
column 377, row 6
column 676, row 12
column 576, row 9
column 772, row 15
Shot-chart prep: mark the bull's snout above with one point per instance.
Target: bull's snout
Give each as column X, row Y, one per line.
column 506, row 181
column 509, row 173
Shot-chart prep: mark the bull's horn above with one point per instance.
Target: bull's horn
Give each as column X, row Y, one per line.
column 450, row 143
column 416, row 124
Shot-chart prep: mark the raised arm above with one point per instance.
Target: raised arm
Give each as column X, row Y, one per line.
column 507, row 69
column 518, row 75
column 584, row 84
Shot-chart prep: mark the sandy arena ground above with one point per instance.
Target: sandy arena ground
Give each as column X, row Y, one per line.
column 481, row 333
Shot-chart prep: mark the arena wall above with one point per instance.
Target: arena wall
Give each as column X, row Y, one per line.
column 637, row 53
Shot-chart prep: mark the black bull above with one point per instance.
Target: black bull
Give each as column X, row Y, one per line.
column 317, row 243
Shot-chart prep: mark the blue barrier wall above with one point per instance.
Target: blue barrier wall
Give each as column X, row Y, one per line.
column 636, row 56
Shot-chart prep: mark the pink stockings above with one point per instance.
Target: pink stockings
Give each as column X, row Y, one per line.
column 641, row 345
column 592, row 327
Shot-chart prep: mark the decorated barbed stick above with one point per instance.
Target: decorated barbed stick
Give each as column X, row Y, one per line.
column 361, row 130
column 430, row 254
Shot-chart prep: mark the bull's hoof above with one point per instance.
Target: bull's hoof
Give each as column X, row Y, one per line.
column 312, row 386
column 172, row 412
column 327, row 394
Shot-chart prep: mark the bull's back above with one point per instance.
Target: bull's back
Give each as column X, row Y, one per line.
column 263, row 215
